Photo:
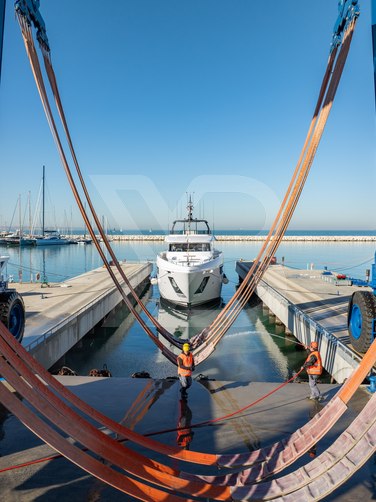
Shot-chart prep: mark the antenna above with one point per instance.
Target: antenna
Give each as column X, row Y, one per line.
column 189, row 206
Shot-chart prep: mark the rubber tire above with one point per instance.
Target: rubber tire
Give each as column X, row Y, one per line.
column 12, row 313
column 362, row 311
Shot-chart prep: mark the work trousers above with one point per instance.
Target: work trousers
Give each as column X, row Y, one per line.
column 185, row 381
column 312, row 379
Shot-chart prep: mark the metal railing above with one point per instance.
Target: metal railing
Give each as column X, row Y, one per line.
column 303, row 317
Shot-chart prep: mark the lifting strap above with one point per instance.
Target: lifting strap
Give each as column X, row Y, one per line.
column 205, row 342
column 230, row 312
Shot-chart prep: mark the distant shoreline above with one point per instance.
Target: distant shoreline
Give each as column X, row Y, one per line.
column 254, row 238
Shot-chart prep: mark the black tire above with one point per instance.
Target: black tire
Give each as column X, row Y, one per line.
column 12, row 313
column 362, row 312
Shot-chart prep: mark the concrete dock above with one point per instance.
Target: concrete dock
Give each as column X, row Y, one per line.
column 58, row 315
column 311, row 306
column 142, row 404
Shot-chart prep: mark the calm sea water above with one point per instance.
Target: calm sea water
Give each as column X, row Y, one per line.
column 252, row 350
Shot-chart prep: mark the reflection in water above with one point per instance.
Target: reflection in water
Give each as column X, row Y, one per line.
column 147, row 397
column 184, row 433
column 3, row 416
column 224, row 399
column 185, row 323
column 316, row 408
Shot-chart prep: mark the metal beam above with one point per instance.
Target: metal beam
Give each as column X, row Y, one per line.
column 2, row 21
column 373, row 9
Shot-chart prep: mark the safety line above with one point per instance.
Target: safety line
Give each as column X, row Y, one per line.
column 165, row 431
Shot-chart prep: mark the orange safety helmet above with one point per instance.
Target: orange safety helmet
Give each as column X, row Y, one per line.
column 314, row 345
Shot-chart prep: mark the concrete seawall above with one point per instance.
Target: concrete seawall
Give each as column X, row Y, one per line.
column 256, row 238
column 58, row 316
column 310, row 308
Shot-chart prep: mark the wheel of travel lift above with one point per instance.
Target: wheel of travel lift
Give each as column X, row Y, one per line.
column 362, row 312
column 12, row 313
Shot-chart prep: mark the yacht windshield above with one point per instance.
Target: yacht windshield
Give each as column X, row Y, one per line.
column 191, row 246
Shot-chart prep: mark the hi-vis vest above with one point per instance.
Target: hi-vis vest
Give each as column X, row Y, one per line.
column 184, row 437
column 187, row 360
column 315, row 369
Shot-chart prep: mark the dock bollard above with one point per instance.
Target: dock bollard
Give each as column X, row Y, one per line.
column 372, row 386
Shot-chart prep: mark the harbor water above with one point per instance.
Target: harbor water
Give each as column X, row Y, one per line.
column 254, row 349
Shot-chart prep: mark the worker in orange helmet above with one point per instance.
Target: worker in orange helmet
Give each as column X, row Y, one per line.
column 313, row 367
column 186, row 365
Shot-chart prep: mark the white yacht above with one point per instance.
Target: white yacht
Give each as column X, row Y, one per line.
column 190, row 271
column 51, row 238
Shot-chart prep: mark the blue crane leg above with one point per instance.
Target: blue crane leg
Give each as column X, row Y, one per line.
column 373, row 8
column 2, row 20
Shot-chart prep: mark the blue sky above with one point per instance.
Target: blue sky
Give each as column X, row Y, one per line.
column 209, row 96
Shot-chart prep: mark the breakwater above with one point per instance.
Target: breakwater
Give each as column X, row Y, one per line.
column 256, row 238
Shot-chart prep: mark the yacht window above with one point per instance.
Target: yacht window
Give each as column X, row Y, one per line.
column 202, row 286
column 190, row 247
column 175, row 286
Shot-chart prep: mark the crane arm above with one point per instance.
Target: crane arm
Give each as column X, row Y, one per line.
column 29, row 10
column 347, row 10
column 373, row 8
column 2, row 21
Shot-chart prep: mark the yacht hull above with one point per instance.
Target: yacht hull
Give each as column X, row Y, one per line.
column 51, row 242
column 190, row 285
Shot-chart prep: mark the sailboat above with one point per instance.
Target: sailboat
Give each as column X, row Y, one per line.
column 84, row 239
column 105, row 229
column 49, row 237
column 18, row 238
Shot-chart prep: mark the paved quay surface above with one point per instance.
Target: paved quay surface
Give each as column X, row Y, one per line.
column 147, row 405
column 47, row 307
column 311, row 292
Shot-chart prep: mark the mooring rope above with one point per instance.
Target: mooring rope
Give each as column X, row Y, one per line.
column 165, row 431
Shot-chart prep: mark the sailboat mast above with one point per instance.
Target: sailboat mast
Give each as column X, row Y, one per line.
column 43, row 201
column 19, row 214
column 29, row 204
column 373, row 17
